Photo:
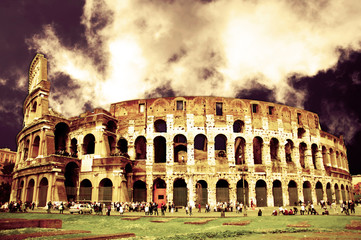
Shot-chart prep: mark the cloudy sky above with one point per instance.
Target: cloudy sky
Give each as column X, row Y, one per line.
column 300, row 53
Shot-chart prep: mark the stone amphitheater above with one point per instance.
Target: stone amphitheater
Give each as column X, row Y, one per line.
column 176, row 149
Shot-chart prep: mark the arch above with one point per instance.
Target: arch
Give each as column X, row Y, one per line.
column 202, row 192
column 139, row 191
column 61, row 138
column 180, row 148
column 329, row 193
column 289, row 150
column 71, row 178
column 314, row 151
column 36, row 145
column 274, row 149
column 30, row 191
column 307, row 192
column 159, row 191
column 140, row 148
column 122, row 146
column 238, row 126
column 26, row 149
column 34, row 107
column 319, row 191
column 239, row 150
column 277, row 193
column 74, row 148
column 257, row 150
column 243, row 192
column 301, row 132
column 43, row 192
column 302, row 151
column 343, row 193
column 292, row 193
column 89, row 144
column 85, row 190
column 160, row 149
column 180, row 192
column 324, row 156
column 111, row 144
column 160, row 126
column 261, row 193
column 222, row 191
column 111, row 126
column 200, row 147
column 220, row 145
column 337, row 193
column 105, row 191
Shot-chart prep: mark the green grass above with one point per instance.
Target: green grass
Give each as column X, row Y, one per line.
column 175, row 228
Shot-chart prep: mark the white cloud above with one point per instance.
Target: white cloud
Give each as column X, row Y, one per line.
column 214, row 48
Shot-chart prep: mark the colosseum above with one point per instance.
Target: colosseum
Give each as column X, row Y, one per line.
column 176, row 149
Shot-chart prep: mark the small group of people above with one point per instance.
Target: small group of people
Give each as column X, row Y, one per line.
column 17, row 206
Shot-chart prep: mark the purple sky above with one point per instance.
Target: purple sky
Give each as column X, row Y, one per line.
column 306, row 55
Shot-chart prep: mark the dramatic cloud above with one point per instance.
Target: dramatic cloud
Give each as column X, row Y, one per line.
column 135, row 48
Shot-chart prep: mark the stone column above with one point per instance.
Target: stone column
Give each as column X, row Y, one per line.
column 230, row 152
column 210, row 153
column 191, row 190
column 190, row 152
column 170, row 153
column 270, row 200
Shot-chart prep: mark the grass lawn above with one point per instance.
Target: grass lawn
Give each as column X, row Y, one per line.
column 265, row 227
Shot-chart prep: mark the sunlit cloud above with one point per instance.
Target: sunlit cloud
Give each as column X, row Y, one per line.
column 197, row 48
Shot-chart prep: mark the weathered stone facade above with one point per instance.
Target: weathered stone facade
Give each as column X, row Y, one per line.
column 176, row 149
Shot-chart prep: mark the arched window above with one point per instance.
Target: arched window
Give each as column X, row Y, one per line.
column 302, row 150
column 74, row 148
column 238, row 126
column 220, row 145
column 61, row 138
column 314, row 150
column 200, row 147
column 36, row 145
column 140, row 148
column 122, row 146
column 324, row 156
column 89, row 144
column 160, row 150
column 111, row 142
column 289, row 150
column 239, row 150
column 111, row 126
column 274, row 145
column 257, row 150
column 160, row 126
column 180, row 148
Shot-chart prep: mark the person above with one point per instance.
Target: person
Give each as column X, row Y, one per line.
column 199, row 207
column 49, row 205
column 274, row 213
column 61, row 208
column 163, row 209
column 302, row 211
column 109, row 209
column 121, row 209
column 259, row 212
column 32, row 206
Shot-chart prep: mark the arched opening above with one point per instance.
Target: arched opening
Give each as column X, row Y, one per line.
column 89, row 144
column 337, row 193
column 274, row 147
column 220, row 146
column 277, row 193
column 329, row 193
column 140, row 148
column 36, row 145
column 26, row 149
column 139, row 191
column 257, row 150
column 301, row 132
column 159, row 191
column 222, row 191
column 239, row 151
column 129, row 180
column 200, row 147
column 302, row 151
column 74, row 148
column 34, row 107
column 261, row 193
column 338, row 159
column 85, row 190
column 105, row 191
column 324, row 156
column 343, row 193
column 314, row 151
column 180, row 192
column 202, row 192
column 238, row 126
column 160, row 126
column 180, row 148
column 20, row 190
column 43, row 192
column 319, row 191
column 122, row 146
column 243, row 192
column 111, row 126
column 71, row 178
column 111, row 144
column 61, row 138
column 292, row 193
column 307, row 192
column 30, row 191
column 289, row 150
column 332, row 157
column 160, row 149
